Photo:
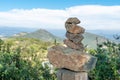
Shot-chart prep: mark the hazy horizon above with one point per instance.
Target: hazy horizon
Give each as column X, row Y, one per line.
column 57, row 32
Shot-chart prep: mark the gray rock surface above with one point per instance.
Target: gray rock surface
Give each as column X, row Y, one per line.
column 64, row 57
column 76, row 38
column 77, row 46
column 64, row 74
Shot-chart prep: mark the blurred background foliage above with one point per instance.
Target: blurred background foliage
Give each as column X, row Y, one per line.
column 108, row 63
column 22, row 58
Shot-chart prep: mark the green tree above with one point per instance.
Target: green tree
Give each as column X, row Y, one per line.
column 107, row 66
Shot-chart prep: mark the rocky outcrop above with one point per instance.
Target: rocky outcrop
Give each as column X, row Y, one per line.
column 72, row 57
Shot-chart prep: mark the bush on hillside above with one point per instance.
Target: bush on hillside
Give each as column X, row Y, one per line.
column 16, row 65
column 108, row 63
column 20, row 59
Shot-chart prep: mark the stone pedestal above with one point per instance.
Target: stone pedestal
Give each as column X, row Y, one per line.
column 64, row 74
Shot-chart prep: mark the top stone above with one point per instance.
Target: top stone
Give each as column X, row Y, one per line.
column 73, row 20
column 72, row 27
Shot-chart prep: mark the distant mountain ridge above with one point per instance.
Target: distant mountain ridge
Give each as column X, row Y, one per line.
column 42, row 34
column 90, row 40
column 6, row 31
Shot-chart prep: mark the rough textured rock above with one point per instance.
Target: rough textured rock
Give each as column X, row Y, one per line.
column 64, row 57
column 64, row 74
column 78, row 46
column 75, row 29
column 73, row 20
column 76, row 38
column 72, row 27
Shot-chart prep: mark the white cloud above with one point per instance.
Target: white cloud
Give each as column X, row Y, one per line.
column 91, row 16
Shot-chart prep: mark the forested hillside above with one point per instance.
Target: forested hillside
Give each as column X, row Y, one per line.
column 40, row 34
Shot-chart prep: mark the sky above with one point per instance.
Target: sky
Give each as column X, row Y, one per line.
column 52, row 14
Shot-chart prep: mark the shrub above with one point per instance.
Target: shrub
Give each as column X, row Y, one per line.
column 108, row 63
column 23, row 64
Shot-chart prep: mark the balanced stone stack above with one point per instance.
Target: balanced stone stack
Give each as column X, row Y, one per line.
column 74, row 34
column 72, row 61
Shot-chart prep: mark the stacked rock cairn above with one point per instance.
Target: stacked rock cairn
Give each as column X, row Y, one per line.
column 74, row 34
column 72, row 61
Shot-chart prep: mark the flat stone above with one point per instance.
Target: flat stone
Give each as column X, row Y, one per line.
column 73, row 45
column 65, row 57
column 64, row 74
column 73, row 28
column 76, row 38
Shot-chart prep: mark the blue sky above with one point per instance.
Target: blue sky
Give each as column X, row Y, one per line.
column 94, row 14
column 52, row 4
